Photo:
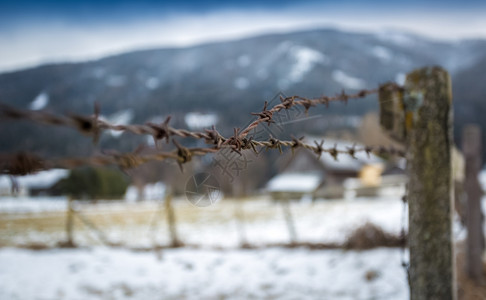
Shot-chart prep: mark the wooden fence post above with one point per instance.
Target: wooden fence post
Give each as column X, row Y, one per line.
column 420, row 116
column 171, row 220
column 428, row 122
column 471, row 147
column 289, row 220
column 240, row 222
column 69, row 223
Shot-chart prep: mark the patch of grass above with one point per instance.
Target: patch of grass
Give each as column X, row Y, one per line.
column 370, row 236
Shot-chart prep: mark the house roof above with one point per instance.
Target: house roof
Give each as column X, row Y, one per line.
column 294, row 182
column 43, row 179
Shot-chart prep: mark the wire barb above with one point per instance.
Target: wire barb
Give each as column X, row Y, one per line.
column 162, row 131
column 184, row 155
column 266, row 115
column 23, row 163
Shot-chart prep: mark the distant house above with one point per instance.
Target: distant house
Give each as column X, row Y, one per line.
column 287, row 186
column 332, row 173
column 33, row 184
column 147, row 192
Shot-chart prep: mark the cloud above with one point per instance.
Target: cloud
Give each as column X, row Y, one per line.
column 35, row 42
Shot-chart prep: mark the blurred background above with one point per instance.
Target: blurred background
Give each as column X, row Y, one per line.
column 280, row 225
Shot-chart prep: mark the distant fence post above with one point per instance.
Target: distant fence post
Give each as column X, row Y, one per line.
column 471, row 147
column 421, row 116
column 69, row 222
column 289, row 220
column 171, row 220
column 240, row 222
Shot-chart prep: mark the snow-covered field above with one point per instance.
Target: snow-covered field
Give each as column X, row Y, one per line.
column 273, row 273
column 225, row 224
column 96, row 272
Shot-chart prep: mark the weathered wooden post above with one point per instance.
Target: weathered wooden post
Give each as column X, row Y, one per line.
column 471, row 147
column 240, row 222
column 420, row 115
column 171, row 220
column 289, row 220
column 69, row 223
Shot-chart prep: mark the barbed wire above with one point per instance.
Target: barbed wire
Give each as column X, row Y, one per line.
column 26, row 163
column 93, row 125
column 23, row 163
column 266, row 115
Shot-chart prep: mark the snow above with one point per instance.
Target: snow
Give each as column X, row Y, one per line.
column 131, row 194
column 348, row 81
column 323, row 221
column 482, row 179
column 201, row 274
column 116, row 80
column 16, row 205
column 305, row 60
column 400, row 78
column 99, row 73
column 122, row 117
column 241, row 83
column 197, row 120
column 382, row 53
column 398, row 38
column 151, row 192
column 262, row 73
column 294, row 182
column 154, row 191
column 207, row 273
column 40, row 101
column 152, row 83
column 243, row 61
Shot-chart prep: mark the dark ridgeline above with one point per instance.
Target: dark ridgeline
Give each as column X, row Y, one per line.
column 215, row 77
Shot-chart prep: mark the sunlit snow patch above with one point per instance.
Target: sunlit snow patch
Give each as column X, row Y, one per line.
column 294, row 182
column 152, row 83
column 382, row 53
column 398, row 38
column 196, row 120
column 123, row 117
column 306, row 59
column 116, row 80
column 243, row 61
column 400, row 78
column 348, row 81
column 40, row 101
column 241, row 83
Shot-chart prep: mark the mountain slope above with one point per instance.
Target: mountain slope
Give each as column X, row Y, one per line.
column 228, row 78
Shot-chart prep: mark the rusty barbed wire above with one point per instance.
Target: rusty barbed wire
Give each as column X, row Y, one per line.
column 93, row 125
column 24, row 163
column 266, row 115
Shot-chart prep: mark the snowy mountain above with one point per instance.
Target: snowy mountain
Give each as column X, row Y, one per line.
column 216, row 78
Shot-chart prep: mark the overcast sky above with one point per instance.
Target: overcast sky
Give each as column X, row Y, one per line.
column 34, row 32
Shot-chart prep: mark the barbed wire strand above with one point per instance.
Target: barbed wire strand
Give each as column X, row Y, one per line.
column 94, row 125
column 266, row 115
column 24, row 163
